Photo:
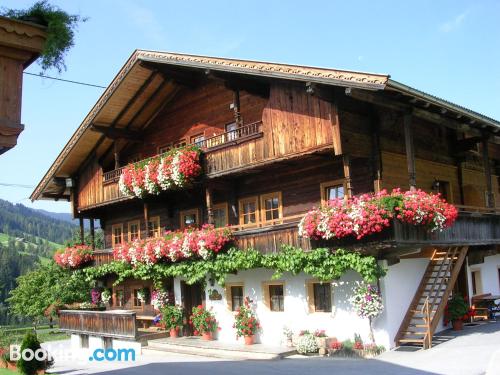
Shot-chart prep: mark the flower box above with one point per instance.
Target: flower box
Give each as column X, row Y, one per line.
column 74, row 257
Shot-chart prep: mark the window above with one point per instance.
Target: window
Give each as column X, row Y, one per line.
column 154, row 227
column 137, row 301
column 234, row 295
column 134, row 230
column 320, row 297
column 198, row 140
column 332, row 190
column 189, row 218
column 119, row 298
column 231, row 130
column 271, row 206
column 477, row 285
column 249, row 210
column 165, row 148
column 443, row 188
column 276, row 298
column 134, row 158
column 117, row 234
column 180, row 143
column 220, row 213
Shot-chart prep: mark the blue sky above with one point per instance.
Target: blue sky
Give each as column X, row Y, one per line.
column 448, row 48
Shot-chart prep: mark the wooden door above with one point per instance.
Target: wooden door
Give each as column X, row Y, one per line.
column 191, row 296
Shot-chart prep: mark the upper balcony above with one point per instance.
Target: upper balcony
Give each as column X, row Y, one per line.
column 222, row 152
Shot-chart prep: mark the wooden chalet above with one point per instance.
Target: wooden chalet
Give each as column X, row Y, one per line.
column 276, row 141
column 20, row 44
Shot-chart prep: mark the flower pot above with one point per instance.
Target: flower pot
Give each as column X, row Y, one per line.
column 249, row 340
column 457, row 325
column 207, row 336
column 174, row 333
column 11, row 366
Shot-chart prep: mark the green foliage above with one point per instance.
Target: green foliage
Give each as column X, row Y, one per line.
column 87, row 238
column 48, row 285
column 30, row 341
column 203, row 320
column 319, row 263
column 60, row 31
column 172, row 316
column 457, row 308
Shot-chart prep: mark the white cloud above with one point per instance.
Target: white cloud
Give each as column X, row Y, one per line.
column 454, row 23
column 146, row 21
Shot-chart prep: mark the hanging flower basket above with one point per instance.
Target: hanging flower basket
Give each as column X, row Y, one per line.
column 74, row 257
column 175, row 246
column 367, row 214
column 175, row 169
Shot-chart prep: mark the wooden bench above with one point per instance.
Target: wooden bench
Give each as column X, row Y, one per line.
column 145, row 320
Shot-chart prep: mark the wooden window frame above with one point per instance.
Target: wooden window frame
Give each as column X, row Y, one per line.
column 193, row 138
column 177, row 144
column 241, row 202
column 115, row 295
column 224, row 207
column 327, row 184
column 129, row 233
column 267, row 295
column 194, row 211
column 311, row 300
column 113, row 244
column 165, row 148
column 263, row 197
column 134, row 306
column 154, row 219
column 449, row 189
column 229, row 294
column 475, row 284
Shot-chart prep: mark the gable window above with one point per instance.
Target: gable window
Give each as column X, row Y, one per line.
column 154, row 227
column 249, row 210
column 332, row 190
column 271, row 206
column 117, row 234
column 134, row 230
column 220, row 213
column 198, row 140
column 189, row 218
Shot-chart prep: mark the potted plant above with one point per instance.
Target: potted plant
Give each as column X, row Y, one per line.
column 60, row 30
column 159, row 299
column 288, row 336
column 306, row 343
column 246, row 322
column 172, row 317
column 204, row 322
column 106, row 296
column 456, row 311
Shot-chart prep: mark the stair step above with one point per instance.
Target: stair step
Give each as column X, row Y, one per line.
column 414, row 333
column 411, row 340
column 417, row 325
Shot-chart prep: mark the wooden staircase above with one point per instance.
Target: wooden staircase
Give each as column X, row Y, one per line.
column 427, row 306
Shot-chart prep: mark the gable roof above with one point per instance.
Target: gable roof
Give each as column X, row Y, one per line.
column 137, row 93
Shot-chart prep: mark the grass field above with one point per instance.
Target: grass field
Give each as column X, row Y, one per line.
column 4, row 371
column 8, row 337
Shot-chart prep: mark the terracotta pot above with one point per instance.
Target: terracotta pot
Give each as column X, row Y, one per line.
column 11, row 366
column 249, row 340
column 458, row 325
column 207, row 336
column 174, row 333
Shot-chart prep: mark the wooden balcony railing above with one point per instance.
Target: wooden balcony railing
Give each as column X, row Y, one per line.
column 112, row 323
column 112, row 176
column 231, row 137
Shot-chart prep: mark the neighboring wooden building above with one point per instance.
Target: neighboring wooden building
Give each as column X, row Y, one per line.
column 20, row 44
column 295, row 136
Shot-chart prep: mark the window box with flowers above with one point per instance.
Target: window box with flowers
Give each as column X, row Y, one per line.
column 368, row 214
column 203, row 322
column 246, row 323
column 74, row 257
column 172, row 170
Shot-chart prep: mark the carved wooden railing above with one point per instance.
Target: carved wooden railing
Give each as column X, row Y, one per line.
column 116, row 324
column 231, row 137
column 112, row 176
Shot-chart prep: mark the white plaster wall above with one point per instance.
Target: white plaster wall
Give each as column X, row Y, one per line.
column 342, row 322
column 489, row 275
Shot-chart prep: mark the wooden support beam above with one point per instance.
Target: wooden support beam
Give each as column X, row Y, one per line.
column 236, row 108
column 410, row 151
column 376, row 154
column 346, row 161
column 117, row 133
column 146, row 218
column 209, row 206
column 116, row 155
column 92, row 233
column 82, row 231
column 337, row 137
column 490, row 198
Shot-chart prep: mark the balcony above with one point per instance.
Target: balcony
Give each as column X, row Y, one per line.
column 112, row 323
column 225, row 151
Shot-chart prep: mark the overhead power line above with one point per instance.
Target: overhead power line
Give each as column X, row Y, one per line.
column 16, row 185
column 65, row 80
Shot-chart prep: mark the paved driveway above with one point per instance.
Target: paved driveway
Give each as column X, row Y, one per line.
column 474, row 351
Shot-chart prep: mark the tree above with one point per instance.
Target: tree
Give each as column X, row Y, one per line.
column 48, row 285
